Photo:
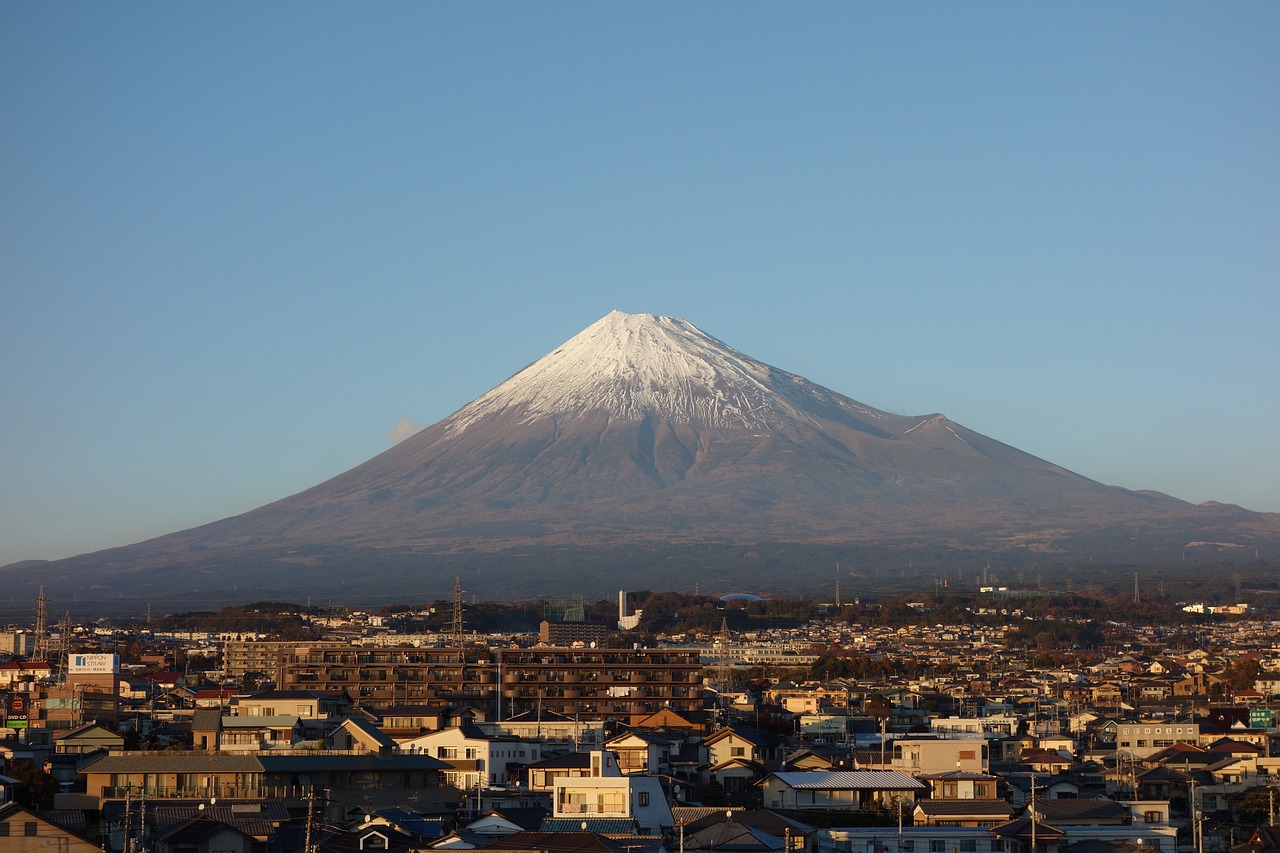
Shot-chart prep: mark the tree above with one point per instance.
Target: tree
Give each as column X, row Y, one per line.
column 1241, row 674
column 36, row 786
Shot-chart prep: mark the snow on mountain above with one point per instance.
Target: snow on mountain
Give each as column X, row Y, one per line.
column 634, row 366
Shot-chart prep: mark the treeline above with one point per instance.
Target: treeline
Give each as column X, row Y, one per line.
column 277, row 619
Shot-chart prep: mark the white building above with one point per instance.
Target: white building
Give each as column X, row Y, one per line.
column 476, row 758
column 608, row 795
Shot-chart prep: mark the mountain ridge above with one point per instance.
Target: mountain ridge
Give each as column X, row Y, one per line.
column 645, row 432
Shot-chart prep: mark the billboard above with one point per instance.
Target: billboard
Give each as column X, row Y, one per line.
column 93, row 664
column 16, row 711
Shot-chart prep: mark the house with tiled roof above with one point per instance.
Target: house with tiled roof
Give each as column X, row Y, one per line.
column 961, row 785
column 727, row 835
column 550, row 727
column 87, row 738
column 201, row 833
column 258, row 777
column 1265, row 839
column 475, row 757
column 23, row 672
column 642, row 752
column 845, row 790
column 1062, row 813
column 361, row 735
column 23, row 830
column 739, row 756
column 983, row 812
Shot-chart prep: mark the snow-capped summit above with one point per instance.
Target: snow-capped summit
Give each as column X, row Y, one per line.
column 635, row 366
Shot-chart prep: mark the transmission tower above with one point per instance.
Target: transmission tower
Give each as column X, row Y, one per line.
column 42, row 615
column 725, row 674
column 64, row 647
column 1137, row 599
column 455, row 629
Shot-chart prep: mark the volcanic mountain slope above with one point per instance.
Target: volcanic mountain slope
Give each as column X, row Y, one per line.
column 644, row 430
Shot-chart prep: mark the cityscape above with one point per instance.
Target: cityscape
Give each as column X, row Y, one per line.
column 577, row 427
column 993, row 722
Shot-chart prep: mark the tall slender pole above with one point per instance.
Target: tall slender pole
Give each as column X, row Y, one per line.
column 1033, row 813
column 125, row 844
column 306, row 843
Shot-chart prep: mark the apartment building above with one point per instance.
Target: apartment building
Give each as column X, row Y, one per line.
column 380, row 678
column 241, row 657
column 615, row 683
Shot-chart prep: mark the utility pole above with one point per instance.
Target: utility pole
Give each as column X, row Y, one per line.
column 306, row 843
column 1197, row 839
column 1033, row 813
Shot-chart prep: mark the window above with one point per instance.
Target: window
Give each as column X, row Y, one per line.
column 906, row 846
column 967, row 755
column 1141, row 744
column 644, row 799
column 4, row 829
column 938, row 845
column 1151, row 817
column 738, row 751
column 968, row 845
column 29, row 828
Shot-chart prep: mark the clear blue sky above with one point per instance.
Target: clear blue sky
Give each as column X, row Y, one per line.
column 241, row 242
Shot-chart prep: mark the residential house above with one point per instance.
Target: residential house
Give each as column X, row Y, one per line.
column 849, row 790
column 476, row 758
column 201, row 835
column 254, row 734
column 983, row 812
column 642, row 752
column 925, row 757
column 357, row 734
column 739, row 756
column 360, row 778
column 542, row 775
column 87, row 738
column 306, row 704
column 961, row 785
column 25, row 831
column 553, row 729
column 607, row 799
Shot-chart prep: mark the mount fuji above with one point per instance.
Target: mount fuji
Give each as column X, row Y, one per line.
column 645, row 446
